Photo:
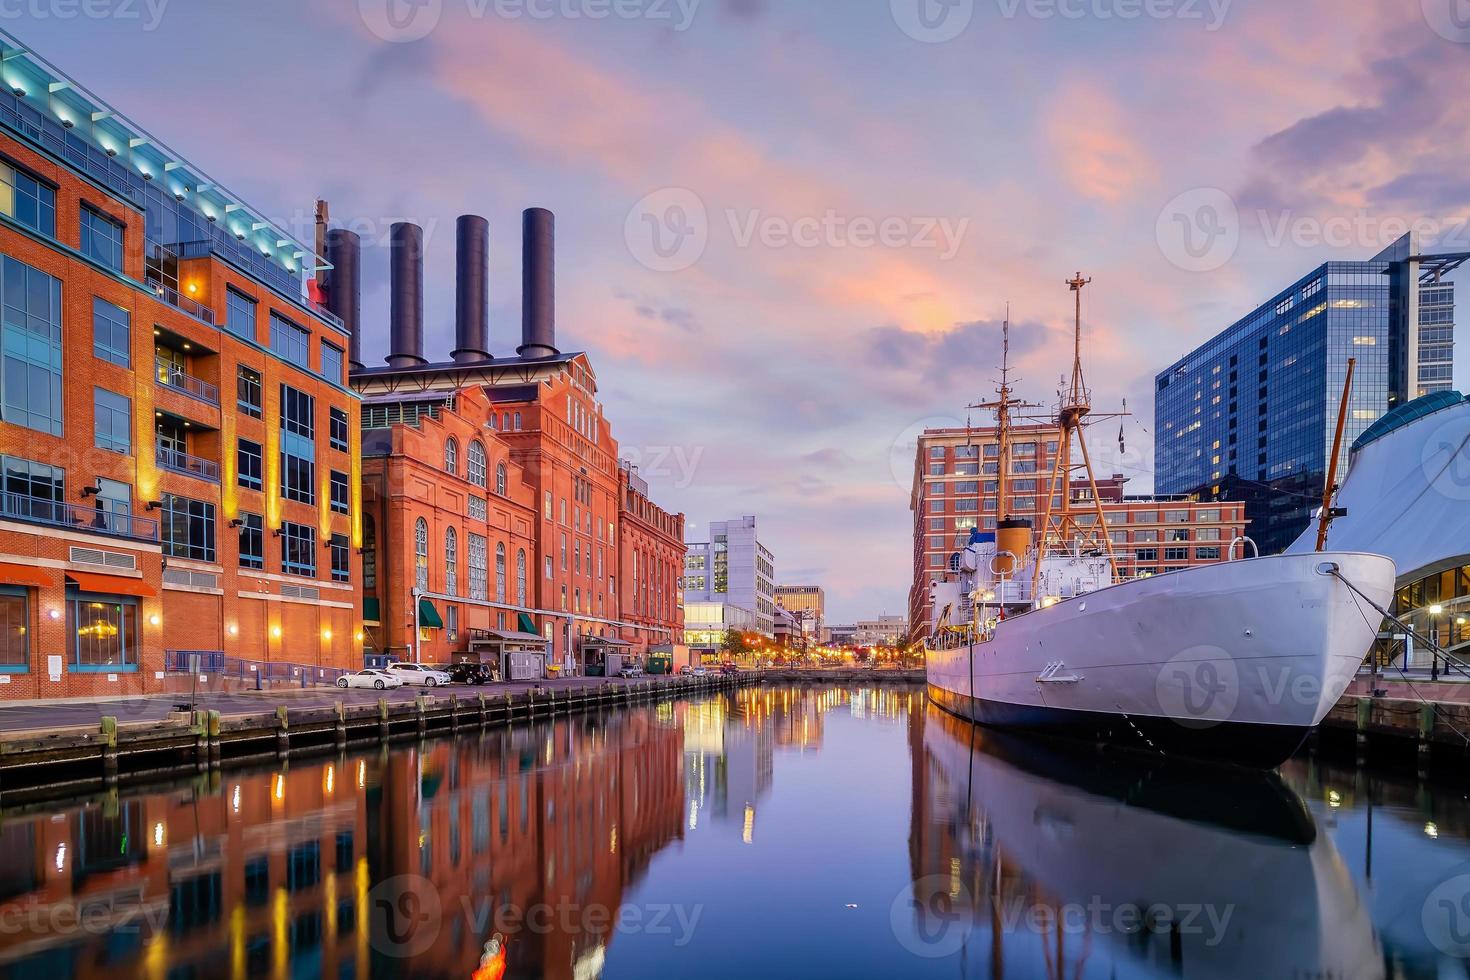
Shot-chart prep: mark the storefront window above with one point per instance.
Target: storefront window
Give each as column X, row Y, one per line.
column 15, row 639
column 103, row 632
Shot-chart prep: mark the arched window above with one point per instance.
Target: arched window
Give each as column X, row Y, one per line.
column 500, row 478
column 521, row 577
column 451, row 561
column 421, row 555
column 475, row 469
column 500, row 572
column 451, row 456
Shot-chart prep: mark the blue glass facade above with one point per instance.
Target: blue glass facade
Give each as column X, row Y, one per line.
column 1250, row 415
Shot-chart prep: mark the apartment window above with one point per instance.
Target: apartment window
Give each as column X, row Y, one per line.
column 475, row 464
column 936, row 452
column 500, row 571
column 15, row 634
column 187, row 528
column 248, row 392
column 478, row 509
column 1150, row 535
column 298, row 445
column 331, row 363
column 102, row 632
column 252, row 541
column 249, row 462
column 1177, row 534
column 1207, row 554
column 1207, row 534
column 30, row 382
column 337, row 429
column 546, row 506
column 298, row 549
column 28, row 201
column 564, row 565
column 1146, row 554
column 421, row 555
column 521, row 577
column 936, row 469
column 112, row 333
column 451, row 456
column 500, row 478
column 341, row 555
column 239, row 314
column 339, row 492
column 518, row 421
column 291, row 342
column 451, row 631
column 547, row 562
column 1176, row 554
column 102, row 239
column 112, row 421
column 451, row 561
column 479, row 559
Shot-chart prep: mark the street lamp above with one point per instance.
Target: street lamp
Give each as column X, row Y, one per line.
column 1435, row 611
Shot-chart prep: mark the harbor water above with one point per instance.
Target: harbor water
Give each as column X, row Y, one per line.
column 802, row 831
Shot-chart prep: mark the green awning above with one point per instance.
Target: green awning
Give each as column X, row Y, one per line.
column 371, row 610
column 525, row 624
column 429, row 616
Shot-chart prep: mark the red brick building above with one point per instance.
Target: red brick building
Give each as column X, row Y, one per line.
column 955, row 489
column 178, row 444
column 650, row 561
column 445, row 511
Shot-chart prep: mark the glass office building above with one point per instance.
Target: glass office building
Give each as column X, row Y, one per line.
column 1250, row 415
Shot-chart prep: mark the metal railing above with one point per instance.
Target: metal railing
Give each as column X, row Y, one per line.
column 170, row 375
column 215, row 663
column 179, row 301
column 57, row 513
column 182, row 462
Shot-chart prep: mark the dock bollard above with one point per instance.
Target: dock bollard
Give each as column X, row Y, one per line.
column 340, row 716
column 383, row 730
column 484, row 715
column 283, row 731
column 1365, row 711
column 108, row 731
column 1426, row 734
column 454, row 712
column 419, row 708
column 214, row 725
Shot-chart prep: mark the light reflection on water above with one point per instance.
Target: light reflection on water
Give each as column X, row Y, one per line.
column 786, row 832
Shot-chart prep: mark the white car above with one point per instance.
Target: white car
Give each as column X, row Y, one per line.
column 701, row 671
column 379, row 680
column 417, row 675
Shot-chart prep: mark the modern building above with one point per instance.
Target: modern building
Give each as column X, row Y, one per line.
column 808, row 603
column 1250, row 415
column 539, row 426
column 955, row 489
column 733, row 567
column 178, row 443
column 706, row 623
column 884, row 631
column 651, row 563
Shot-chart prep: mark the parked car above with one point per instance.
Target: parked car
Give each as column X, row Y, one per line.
column 728, row 668
column 418, row 675
column 377, row 679
column 701, row 670
column 631, row 670
column 685, row 669
column 467, row 673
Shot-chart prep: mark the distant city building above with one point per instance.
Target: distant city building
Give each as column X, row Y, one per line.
column 1250, row 414
column 732, row 566
column 788, row 628
column 955, row 489
column 705, row 624
column 808, row 603
column 883, row 631
column 844, row 635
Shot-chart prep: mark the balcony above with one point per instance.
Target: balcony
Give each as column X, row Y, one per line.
column 171, row 376
column 56, row 513
column 179, row 301
column 177, row 461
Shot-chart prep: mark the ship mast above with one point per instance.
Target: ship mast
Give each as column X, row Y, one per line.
column 1059, row 524
column 1002, row 406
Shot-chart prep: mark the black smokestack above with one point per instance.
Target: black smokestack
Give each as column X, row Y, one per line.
column 344, row 288
column 406, row 275
column 472, row 289
column 538, row 284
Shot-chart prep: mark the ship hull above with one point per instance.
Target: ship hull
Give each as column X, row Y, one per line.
column 1234, row 662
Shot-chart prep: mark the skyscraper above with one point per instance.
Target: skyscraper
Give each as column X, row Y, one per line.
column 1250, row 414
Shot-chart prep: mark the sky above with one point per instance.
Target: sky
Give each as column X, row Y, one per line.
column 788, row 230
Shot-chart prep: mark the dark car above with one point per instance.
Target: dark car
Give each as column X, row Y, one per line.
column 728, row 669
column 469, row 673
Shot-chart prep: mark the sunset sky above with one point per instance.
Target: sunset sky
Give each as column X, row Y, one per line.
column 787, row 230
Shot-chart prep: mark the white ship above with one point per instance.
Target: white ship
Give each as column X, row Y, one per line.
column 1236, row 661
